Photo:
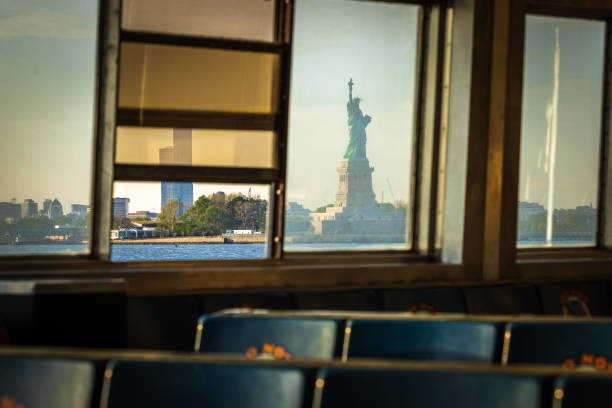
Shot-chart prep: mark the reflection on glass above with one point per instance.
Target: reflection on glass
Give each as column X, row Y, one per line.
column 561, row 128
column 348, row 186
column 155, row 221
column 47, row 77
column 241, row 19
column 197, row 147
column 184, row 78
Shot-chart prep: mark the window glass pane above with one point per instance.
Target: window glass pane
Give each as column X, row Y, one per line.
column 186, row 78
column 241, row 19
column 561, row 131
column 170, row 221
column 47, row 81
column 197, row 147
column 348, row 186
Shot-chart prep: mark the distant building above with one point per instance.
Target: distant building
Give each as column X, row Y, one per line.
column 527, row 210
column 143, row 214
column 79, row 209
column 178, row 154
column 121, row 206
column 296, row 210
column 29, row 208
column 10, row 211
column 240, row 232
column 56, row 209
column 46, row 210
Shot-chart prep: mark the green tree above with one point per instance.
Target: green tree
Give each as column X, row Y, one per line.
column 121, row 222
column 62, row 220
column 214, row 220
column 169, row 215
column 37, row 221
column 244, row 214
column 82, row 222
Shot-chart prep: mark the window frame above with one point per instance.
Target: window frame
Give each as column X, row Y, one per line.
column 487, row 247
column 278, row 122
column 108, row 116
column 603, row 237
column 501, row 257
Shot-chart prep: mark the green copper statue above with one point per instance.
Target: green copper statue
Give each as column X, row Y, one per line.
column 357, row 122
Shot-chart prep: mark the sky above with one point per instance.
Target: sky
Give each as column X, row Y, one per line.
column 581, row 44
column 47, row 71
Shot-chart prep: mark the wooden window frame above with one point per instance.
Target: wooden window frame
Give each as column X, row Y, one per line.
column 501, row 257
column 479, row 244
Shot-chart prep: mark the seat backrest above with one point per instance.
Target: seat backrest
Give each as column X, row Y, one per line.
column 270, row 337
column 442, row 340
column 198, row 384
column 382, row 388
column 570, row 344
column 32, row 382
column 579, row 392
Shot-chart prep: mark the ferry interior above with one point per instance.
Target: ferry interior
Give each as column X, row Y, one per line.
column 464, row 259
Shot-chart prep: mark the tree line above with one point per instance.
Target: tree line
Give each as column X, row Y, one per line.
column 209, row 215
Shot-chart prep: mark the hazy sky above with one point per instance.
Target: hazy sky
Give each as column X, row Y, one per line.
column 581, row 45
column 374, row 44
column 47, row 87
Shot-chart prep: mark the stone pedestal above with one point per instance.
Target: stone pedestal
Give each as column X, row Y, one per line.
column 355, row 184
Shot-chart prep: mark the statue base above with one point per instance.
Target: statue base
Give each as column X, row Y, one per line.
column 355, row 184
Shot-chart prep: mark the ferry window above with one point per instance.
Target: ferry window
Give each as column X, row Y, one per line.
column 240, row 19
column 561, row 131
column 197, row 147
column 186, row 78
column 198, row 128
column 47, row 82
column 168, row 221
column 352, row 120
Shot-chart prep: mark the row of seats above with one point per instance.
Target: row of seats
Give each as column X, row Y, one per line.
column 461, row 339
column 167, row 322
column 78, row 383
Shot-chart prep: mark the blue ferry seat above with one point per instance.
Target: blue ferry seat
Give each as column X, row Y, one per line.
column 202, row 384
column 583, row 391
column 570, row 344
column 414, row 388
column 40, row 382
column 281, row 338
column 420, row 339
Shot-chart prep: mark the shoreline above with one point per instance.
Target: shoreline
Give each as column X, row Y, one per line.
column 220, row 239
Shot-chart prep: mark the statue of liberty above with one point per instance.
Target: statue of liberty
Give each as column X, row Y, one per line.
column 357, row 122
